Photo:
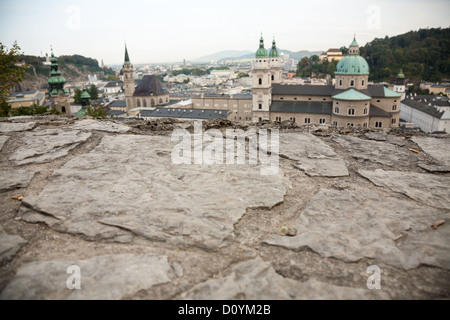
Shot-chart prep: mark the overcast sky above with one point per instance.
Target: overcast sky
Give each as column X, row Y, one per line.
column 173, row 30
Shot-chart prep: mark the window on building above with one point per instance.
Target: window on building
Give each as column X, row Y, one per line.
column 259, row 119
column 336, row 110
column 352, row 83
column 349, row 124
column 145, row 103
column 295, row 98
column 365, row 111
column 281, row 98
column 365, row 124
column 394, row 107
column 362, row 82
column 351, row 112
column 260, row 81
column 309, row 99
column 138, row 103
column 63, row 109
column 278, row 119
column 321, row 121
column 324, row 99
column 292, row 119
column 273, row 78
column 378, row 100
column 340, row 82
column 394, row 121
column 260, row 106
column 335, row 123
column 378, row 124
column 307, row 120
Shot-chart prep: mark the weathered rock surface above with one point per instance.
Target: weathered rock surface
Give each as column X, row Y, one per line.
column 383, row 136
column 314, row 156
column 9, row 246
column 47, row 145
column 12, row 179
column 3, row 139
column 257, row 280
column 6, row 127
column 94, row 125
column 374, row 151
column 103, row 277
column 439, row 149
column 432, row 190
column 350, row 226
column 128, row 186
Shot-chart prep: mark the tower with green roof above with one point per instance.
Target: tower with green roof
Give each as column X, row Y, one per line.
column 59, row 96
column 353, row 70
column 399, row 85
column 85, row 102
column 128, row 80
column 262, row 84
column 275, row 64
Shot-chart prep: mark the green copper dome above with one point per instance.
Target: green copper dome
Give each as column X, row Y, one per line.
column 274, row 52
column 261, row 52
column 354, row 43
column 401, row 75
column 85, row 94
column 56, row 80
column 352, row 65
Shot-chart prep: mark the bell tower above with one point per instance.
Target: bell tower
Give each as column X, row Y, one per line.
column 275, row 64
column 128, row 80
column 262, row 84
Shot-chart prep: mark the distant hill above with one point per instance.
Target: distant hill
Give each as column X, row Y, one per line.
column 221, row 55
column 73, row 68
column 423, row 55
column 245, row 54
column 293, row 55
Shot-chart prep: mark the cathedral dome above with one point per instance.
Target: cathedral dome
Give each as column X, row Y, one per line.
column 352, row 65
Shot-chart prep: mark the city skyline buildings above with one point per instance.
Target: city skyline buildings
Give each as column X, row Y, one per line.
column 159, row 31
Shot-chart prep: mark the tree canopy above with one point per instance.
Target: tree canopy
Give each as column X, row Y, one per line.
column 422, row 55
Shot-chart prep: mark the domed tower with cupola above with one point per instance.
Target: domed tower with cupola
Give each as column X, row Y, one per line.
column 262, row 84
column 399, row 85
column 275, row 64
column 128, row 80
column 353, row 70
column 59, row 96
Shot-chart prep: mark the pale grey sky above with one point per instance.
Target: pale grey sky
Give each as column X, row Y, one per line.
column 173, row 30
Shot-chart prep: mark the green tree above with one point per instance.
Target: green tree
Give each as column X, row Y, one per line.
column 77, row 96
column 93, row 92
column 97, row 110
column 242, row 75
column 10, row 74
column 111, row 77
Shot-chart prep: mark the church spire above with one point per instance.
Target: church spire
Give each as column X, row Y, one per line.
column 127, row 58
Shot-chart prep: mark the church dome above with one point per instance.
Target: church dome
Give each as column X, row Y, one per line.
column 261, row 52
column 274, row 51
column 352, row 64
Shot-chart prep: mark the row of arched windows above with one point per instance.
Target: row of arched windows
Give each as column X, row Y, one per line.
column 144, row 102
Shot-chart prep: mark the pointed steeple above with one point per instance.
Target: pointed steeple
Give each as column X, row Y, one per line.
column 127, row 58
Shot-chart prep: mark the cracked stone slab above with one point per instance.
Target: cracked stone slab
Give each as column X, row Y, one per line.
column 350, row 226
column 6, row 127
column 9, row 246
column 257, row 280
column 108, row 277
column 108, row 126
column 437, row 148
column 383, row 136
column 432, row 190
column 47, row 145
column 13, row 179
column 3, row 140
column 375, row 151
column 313, row 155
column 128, row 186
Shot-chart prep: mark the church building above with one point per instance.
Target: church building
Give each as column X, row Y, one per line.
column 350, row 102
column 148, row 94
